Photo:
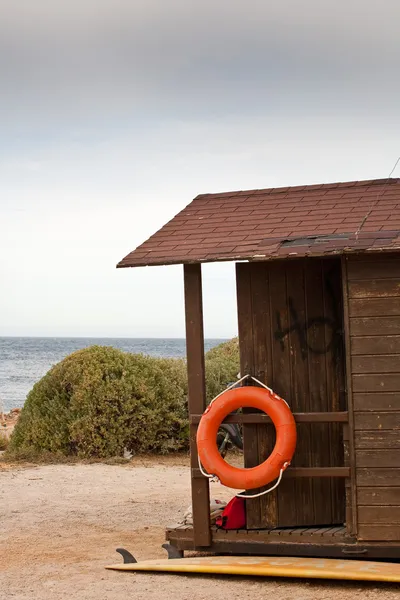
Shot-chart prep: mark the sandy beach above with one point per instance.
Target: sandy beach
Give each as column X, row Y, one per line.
column 60, row 525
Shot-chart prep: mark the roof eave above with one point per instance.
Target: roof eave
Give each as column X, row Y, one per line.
column 259, row 257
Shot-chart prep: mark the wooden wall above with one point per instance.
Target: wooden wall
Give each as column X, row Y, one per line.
column 291, row 337
column 374, row 324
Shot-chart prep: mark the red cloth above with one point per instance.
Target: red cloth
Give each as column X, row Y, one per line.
column 234, row 515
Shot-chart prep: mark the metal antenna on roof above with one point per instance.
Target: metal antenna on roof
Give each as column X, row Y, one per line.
column 374, row 203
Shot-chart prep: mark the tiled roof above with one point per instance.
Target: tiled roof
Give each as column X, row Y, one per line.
column 293, row 221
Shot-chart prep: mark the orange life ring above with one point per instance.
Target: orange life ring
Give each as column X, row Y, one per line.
column 279, row 459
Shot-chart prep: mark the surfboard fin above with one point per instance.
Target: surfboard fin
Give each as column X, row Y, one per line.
column 127, row 556
column 173, row 551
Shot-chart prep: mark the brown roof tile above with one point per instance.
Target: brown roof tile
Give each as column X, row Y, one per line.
column 263, row 224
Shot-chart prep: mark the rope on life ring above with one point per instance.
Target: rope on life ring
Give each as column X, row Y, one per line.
column 274, row 466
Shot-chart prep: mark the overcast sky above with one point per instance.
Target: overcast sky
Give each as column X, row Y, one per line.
column 114, row 114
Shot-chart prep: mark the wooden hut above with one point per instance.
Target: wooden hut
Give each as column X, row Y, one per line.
column 318, row 296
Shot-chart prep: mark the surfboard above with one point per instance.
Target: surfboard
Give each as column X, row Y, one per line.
column 260, row 566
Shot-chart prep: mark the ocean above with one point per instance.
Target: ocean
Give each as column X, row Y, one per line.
column 23, row 361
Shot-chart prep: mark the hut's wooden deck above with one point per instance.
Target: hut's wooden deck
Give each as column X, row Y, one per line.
column 328, row 541
column 328, row 534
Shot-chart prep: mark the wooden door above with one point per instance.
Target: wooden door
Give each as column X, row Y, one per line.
column 291, row 337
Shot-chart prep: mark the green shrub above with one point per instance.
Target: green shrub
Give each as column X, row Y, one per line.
column 100, row 400
column 3, row 442
column 222, row 367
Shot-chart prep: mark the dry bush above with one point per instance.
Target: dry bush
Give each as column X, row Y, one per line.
column 99, row 401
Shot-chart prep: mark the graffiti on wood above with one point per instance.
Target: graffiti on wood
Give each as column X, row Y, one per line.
column 302, row 328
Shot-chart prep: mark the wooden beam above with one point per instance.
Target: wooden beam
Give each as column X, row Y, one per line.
column 260, row 418
column 293, row 542
column 317, row 472
column 352, row 527
column 197, row 397
column 295, row 472
column 245, row 312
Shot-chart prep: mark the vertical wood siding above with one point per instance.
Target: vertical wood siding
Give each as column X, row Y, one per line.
column 374, row 311
column 291, row 337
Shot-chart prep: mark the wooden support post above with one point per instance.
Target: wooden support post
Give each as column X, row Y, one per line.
column 351, row 488
column 197, row 397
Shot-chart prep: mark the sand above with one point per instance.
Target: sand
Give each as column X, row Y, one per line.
column 60, row 524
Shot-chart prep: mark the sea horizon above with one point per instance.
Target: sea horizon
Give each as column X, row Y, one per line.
column 105, row 337
column 24, row 360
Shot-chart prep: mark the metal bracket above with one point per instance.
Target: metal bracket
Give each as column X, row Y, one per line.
column 355, row 551
column 173, row 551
column 127, row 556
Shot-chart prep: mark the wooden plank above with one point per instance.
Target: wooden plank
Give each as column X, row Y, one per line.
column 389, row 344
column 245, row 324
column 281, row 375
column 289, row 532
column 377, row 458
column 337, row 549
column 380, row 533
column 300, row 530
column 197, row 396
column 378, row 477
column 301, row 472
column 385, row 363
column 374, row 307
column 297, row 472
column 378, row 401
column 261, row 319
column 303, row 504
column 254, row 543
column 269, row 502
column 314, row 292
column 349, row 444
column 317, row 339
column 386, row 439
column 377, row 421
column 246, row 347
column 382, row 496
column 379, row 382
column 282, row 536
column 313, row 531
column 340, row 416
column 250, row 444
column 335, row 376
column 374, row 269
column 330, row 531
column 374, row 288
column 267, row 505
column 375, row 256
column 306, row 535
column 260, row 418
column 374, row 326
